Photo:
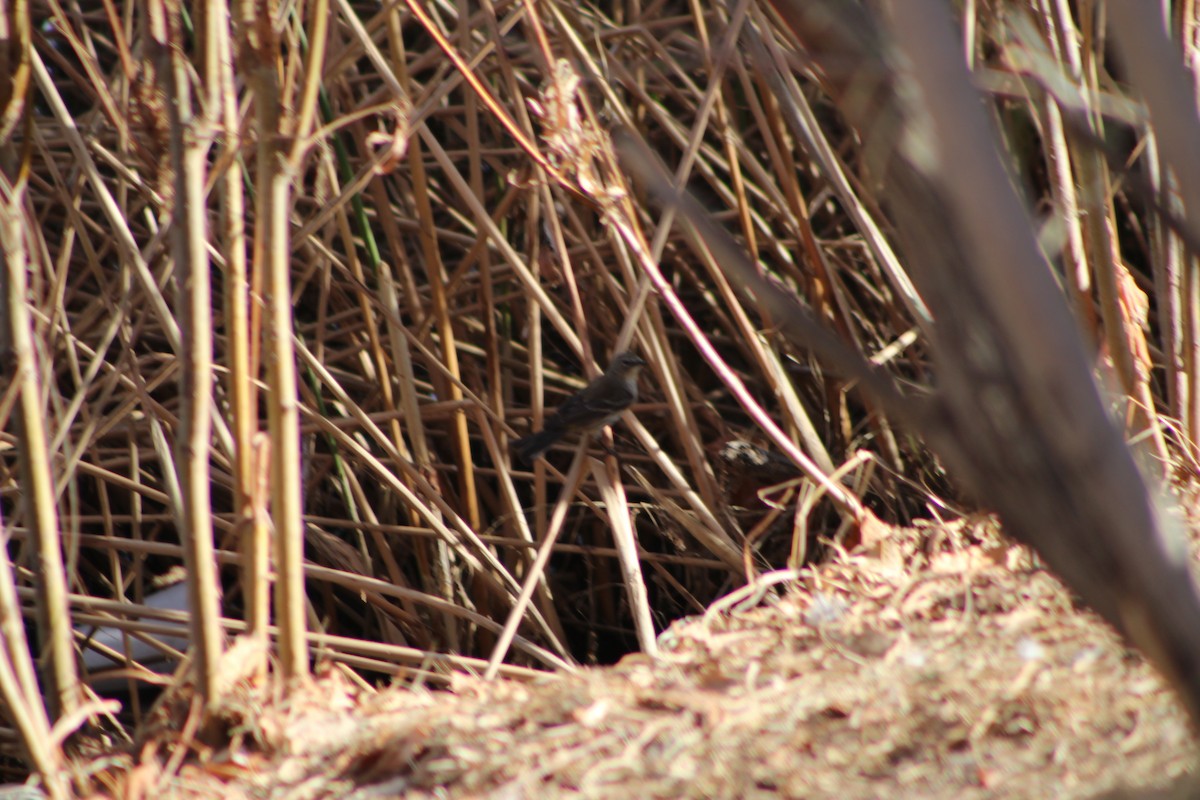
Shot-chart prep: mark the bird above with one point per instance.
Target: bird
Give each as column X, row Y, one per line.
column 599, row 403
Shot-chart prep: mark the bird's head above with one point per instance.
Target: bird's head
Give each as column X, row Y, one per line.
column 626, row 363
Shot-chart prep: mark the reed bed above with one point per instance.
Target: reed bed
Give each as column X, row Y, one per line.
column 285, row 281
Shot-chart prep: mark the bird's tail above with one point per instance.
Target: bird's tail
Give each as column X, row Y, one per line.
column 530, row 447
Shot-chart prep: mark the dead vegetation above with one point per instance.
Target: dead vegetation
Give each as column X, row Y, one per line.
column 411, row 219
column 962, row 672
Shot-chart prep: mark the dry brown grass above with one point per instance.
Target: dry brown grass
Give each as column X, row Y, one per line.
column 431, row 228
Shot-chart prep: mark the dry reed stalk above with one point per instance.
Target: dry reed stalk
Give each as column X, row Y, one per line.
column 19, row 686
column 189, row 140
column 53, row 617
column 536, row 569
column 251, row 449
column 29, row 712
column 612, row 490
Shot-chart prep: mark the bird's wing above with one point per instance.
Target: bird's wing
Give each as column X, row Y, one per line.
column 594, row 403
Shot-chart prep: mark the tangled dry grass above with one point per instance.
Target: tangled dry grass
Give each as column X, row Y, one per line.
column 298, row 274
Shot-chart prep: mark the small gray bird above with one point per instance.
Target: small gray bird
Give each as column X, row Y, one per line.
column 599, row 403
